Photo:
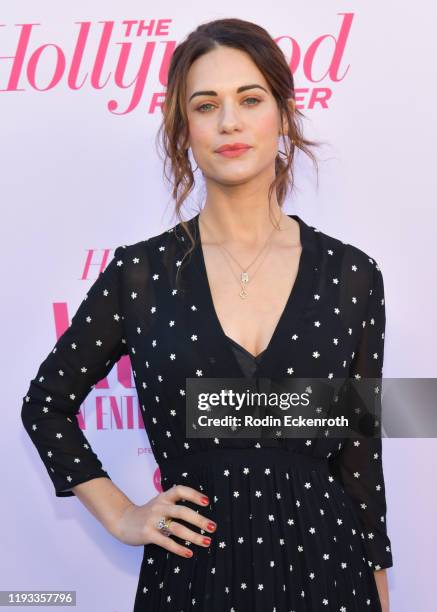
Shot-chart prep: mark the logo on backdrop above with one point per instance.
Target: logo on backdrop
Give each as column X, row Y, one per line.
column 125, row 55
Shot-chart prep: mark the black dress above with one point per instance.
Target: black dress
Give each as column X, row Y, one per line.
column 301, row 522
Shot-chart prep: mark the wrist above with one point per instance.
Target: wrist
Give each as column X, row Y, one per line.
column 114, row 527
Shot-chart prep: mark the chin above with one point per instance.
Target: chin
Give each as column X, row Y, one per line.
column 235, row 176
column 234, row 172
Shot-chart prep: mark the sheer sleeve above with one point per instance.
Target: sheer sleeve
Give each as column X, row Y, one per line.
column 82, row 356
column 359, row 462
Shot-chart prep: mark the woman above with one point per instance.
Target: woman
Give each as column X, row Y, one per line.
column 295, row 524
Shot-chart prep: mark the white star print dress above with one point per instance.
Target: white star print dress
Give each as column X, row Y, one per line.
column 301, row 524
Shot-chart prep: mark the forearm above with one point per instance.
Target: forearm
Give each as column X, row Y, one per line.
column 104, row 500
column 382, row 585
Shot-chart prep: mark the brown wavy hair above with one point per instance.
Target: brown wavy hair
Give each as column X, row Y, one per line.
column 173, row 131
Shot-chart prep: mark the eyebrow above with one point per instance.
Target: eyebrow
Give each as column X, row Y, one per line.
column 211, row 92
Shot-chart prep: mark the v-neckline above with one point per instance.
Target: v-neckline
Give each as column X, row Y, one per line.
column 211, row 325
column 241, row 348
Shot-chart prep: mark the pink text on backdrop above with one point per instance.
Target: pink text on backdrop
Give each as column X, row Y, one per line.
column 30, row 64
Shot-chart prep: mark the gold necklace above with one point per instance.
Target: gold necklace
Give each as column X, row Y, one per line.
column 243, row 278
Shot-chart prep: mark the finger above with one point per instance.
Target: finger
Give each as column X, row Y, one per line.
column 186, row 534
column 177, row 492
column 169, row 544
column 188, row 515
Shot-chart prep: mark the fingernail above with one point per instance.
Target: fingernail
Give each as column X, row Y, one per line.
column 211, row 526
column 188, row 553
column 204, row 500
column 207, row 541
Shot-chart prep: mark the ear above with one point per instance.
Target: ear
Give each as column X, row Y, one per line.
column 292, row 106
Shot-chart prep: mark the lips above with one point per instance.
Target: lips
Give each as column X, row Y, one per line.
column 233, row 147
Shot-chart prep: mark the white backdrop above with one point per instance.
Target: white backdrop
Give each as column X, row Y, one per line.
column 80, row 174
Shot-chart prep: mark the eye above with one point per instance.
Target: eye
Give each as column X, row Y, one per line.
column 199, row 108
column 202, row 106
column 256, row 100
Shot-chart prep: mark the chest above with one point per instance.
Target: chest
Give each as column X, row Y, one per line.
column 249, row 312
column 177, row 334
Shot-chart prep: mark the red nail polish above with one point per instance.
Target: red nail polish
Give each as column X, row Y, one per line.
column 205, row 500
column 188, row 553
column 211, row 526
column 207, row 541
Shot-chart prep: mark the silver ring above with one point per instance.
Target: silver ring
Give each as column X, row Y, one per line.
column 163, row 525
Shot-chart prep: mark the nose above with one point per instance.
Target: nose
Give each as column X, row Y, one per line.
column 229, row 118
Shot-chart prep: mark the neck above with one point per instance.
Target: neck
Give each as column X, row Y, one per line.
column 248, row 226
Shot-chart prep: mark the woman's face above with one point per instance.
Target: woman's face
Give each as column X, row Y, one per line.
column 223, row 116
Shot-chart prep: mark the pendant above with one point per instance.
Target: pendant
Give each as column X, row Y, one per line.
column 244, row 280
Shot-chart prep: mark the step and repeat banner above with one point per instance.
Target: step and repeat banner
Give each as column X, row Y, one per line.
column 81, row 90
